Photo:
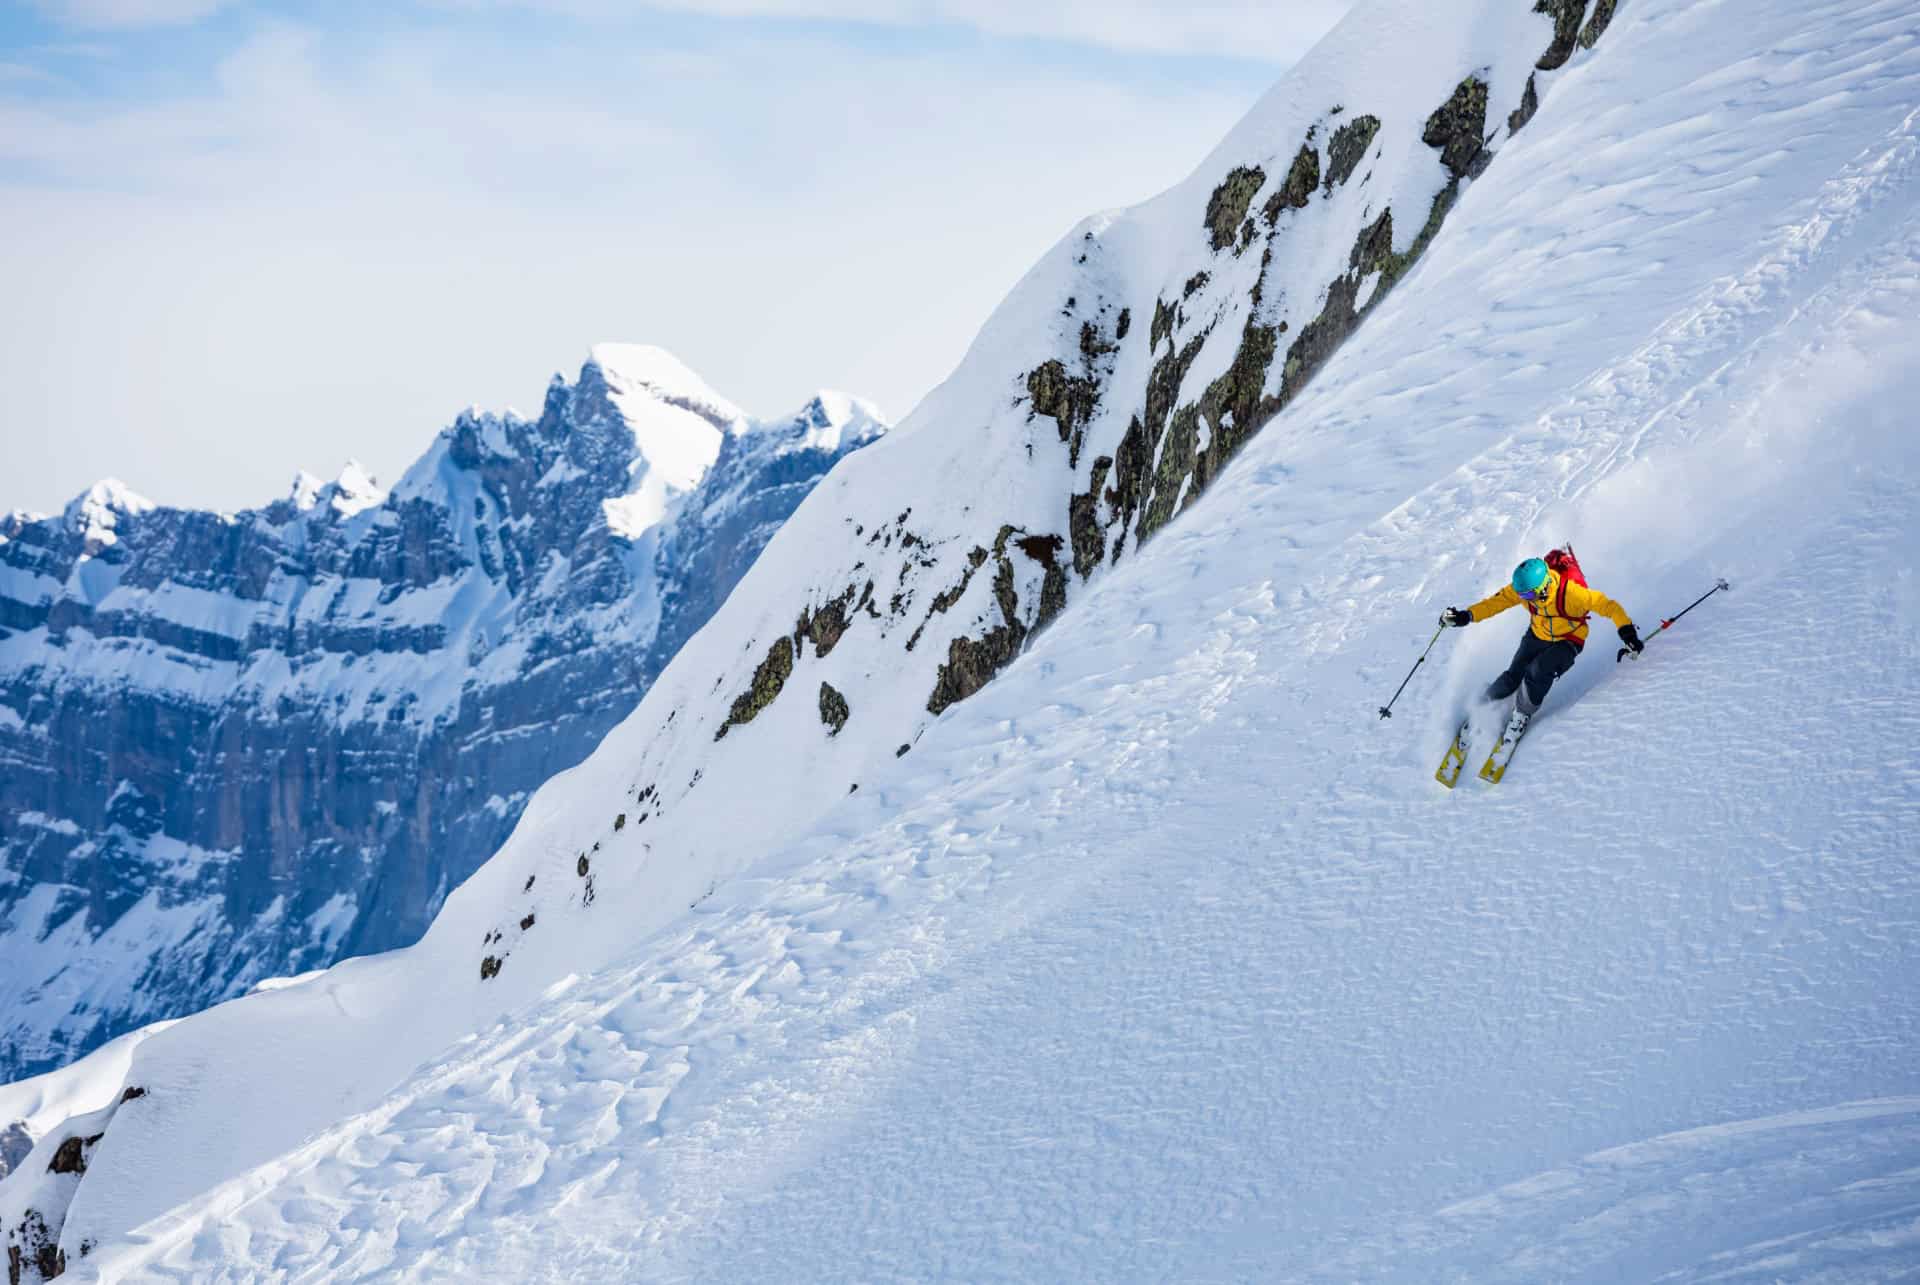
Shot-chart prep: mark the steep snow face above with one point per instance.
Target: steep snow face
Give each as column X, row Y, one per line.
column 242, row 745
column 1162, row 934
column 676, row 420
column 675, row 416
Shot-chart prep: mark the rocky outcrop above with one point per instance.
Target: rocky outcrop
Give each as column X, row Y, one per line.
column 767, row 682
column 1227, row 208
column 833, row 709
column 34, row 1246
column 240, row 746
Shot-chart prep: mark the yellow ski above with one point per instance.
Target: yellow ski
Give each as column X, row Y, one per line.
column 1456, row 759
column 1496, row 766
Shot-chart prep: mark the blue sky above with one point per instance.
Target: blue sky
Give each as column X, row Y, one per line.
column 246, row 237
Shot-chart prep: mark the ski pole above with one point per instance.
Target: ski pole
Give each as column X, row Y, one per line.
column 1386, row 710
column 1667, row 624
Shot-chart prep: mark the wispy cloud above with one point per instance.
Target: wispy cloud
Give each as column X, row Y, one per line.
column 73, row 49
column 333, row 238
column 16, row 73
column 1240, row 28
column 123, row 14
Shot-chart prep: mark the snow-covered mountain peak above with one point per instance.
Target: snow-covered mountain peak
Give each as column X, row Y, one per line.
column 676, row 419
column 352, row 491
column 109, row 494
column 635, row 421
column 304, row 491
column 355, row 489
column 829, row 415
column 653, row 370
column 95, row 514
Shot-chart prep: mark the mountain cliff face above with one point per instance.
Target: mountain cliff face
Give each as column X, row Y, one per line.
column 241, row 746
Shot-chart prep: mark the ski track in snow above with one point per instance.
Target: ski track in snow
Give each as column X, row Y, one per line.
column 1161, row 958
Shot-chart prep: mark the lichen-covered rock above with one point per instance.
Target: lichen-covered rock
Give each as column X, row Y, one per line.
column 1059, row 396
column 1227, row 207
column 1162, row 328
column 1349, row 147
column 1303, row 178
column 1458, row 127
column 944, row 601
column 973, row 661
column 1158, row 472
column 1529, row 104
column 1070, row 398
column 1235, row 405
column 768, row 679
column 1084, row 529
column 824, row 627
column 1597, row 24
column 1045, row 550
column 1566, row 15
column 1174, row 468
column 1139, row 446
column 833, row 709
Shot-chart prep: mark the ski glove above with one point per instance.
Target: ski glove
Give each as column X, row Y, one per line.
column 1457, row 617
column 1630, row 637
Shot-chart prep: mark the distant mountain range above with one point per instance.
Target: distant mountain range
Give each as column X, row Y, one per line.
column 241, row 746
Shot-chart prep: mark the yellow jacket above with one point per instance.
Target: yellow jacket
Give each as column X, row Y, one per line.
column 1555, row 618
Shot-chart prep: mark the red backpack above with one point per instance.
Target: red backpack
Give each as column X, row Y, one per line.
column 1567, row 567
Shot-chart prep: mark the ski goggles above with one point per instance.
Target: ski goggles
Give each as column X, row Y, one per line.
column 1536, row 595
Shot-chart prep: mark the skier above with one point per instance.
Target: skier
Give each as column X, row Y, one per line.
column 1559, row 605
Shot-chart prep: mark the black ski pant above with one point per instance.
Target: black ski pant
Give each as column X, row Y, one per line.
column 1535, row 663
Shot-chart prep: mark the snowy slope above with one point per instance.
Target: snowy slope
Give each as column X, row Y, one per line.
column 1159, row 957
column 238, row 746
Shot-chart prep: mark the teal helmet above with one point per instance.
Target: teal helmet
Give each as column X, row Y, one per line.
column 1529, row 576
